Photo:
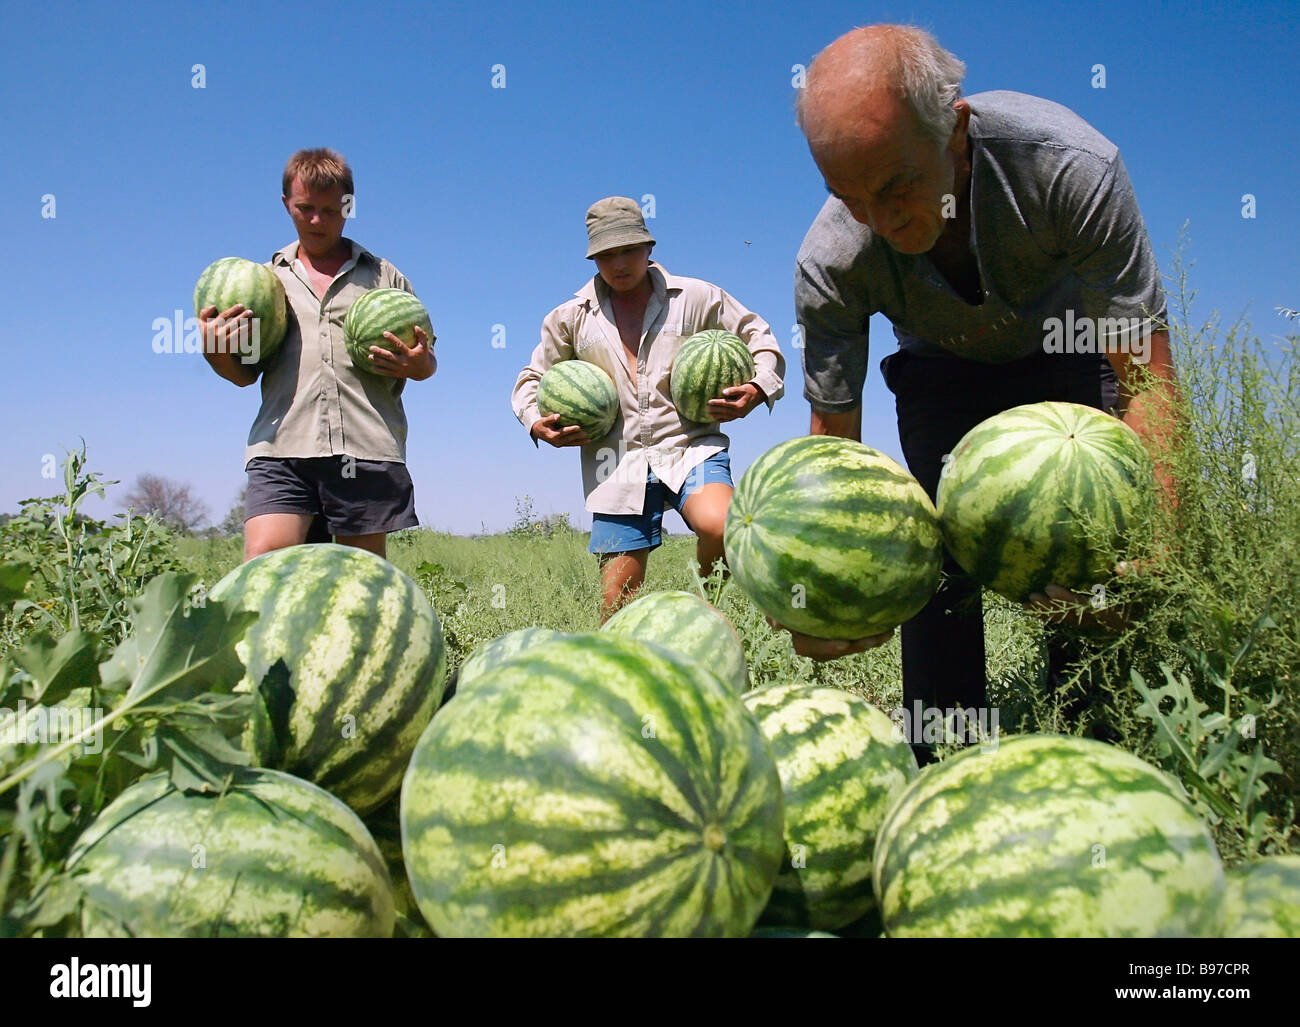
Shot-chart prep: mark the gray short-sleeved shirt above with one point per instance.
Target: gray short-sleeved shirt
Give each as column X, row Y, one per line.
column 1056, row 233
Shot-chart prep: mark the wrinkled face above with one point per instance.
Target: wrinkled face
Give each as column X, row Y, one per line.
column 892, row 177
column 625, row 268
column 317, row 215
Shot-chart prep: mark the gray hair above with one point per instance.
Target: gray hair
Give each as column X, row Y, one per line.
column 914, row 63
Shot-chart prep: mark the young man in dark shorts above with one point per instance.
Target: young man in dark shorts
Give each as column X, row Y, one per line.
column 326, row 455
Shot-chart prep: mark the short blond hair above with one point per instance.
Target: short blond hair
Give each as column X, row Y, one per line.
column 319, row 169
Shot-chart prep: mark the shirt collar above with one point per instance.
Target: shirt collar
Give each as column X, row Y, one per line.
column 286, row 255
column 595, row 290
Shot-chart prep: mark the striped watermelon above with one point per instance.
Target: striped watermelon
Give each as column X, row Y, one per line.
column 385, row 828
column 582, row 394
column 593, row 786
column 498, row 650
column 366, row 667
column 708, row 362
column 1043, row 494
column 1263, row 899
column 232, row 280
column 273, row 856
column 382, row 310
column 842, row 765
column 833, row 539
column 1046, row 836
column 687, row 625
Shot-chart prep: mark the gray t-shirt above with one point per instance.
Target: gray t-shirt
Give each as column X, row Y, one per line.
column 1056, row 233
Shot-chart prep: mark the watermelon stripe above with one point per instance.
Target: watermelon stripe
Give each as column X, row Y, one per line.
column 603, row 830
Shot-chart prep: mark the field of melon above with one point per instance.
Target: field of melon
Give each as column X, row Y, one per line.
column 264, row 749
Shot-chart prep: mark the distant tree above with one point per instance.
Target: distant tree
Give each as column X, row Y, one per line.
column 171, row 501
column 233, row 522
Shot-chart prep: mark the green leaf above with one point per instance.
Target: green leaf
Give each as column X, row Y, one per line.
column 14, row 576
column 172, row 651
column 59, row 667
column 171, row 647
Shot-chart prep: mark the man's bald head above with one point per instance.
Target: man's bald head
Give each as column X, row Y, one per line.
column 869, row 75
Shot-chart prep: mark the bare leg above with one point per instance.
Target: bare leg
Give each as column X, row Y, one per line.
column 376, row 543
column 621, row 574
column 705, row 512
column 267, row 532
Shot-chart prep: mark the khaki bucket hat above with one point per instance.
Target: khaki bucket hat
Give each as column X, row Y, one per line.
column 613, row 222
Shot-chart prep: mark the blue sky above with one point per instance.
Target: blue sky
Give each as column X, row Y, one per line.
column 478, row 193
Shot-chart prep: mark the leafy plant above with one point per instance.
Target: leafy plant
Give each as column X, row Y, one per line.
column 163, row 700
column 77, row 572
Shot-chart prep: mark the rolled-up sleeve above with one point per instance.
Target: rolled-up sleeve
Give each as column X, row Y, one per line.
column 769, row 364
column 556, row 344
column 834, row 322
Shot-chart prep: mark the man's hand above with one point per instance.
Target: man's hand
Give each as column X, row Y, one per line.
column 823, row 649
column 223, row 336
column 1087, row 612
column 736, row 402
column 415, row 362
column 548, row 430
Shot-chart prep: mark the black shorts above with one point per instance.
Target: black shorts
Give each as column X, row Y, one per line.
column 352, row 497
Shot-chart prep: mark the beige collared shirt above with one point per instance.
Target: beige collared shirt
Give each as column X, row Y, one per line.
column 314, row 402
column 649, row 434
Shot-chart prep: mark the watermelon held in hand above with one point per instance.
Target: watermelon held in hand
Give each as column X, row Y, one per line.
column 272, row 856
column 833, row 539
column 592, row 786
column 708, row 362
column 233, row 280
column 1046, row 836
column 1046, row 493
column 687, row 625
column 349, row 659
column 378, row 311
column 582, row 394
column 842, row 764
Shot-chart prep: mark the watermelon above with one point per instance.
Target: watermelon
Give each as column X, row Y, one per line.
column 1263, row 899
column 708, row 362
column 1041, row 494
column 582, row 394
column 385, row 828
column 788, row 932
column 842, row 765
column 833, row 539
column 593, row 786
column 272, row 856
column 232, row 280
column 498, row 650
column 354, row 663
column 382, row 310
column 687, row 625
column 1046, row 836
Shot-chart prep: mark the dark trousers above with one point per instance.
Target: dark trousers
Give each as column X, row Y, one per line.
column 939, row 399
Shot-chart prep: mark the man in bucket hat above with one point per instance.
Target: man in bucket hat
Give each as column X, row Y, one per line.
column 630, row 320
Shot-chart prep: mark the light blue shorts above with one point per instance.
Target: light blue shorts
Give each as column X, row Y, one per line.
column 626, row 533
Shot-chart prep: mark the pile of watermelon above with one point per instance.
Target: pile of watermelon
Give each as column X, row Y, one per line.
column 628, row 782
